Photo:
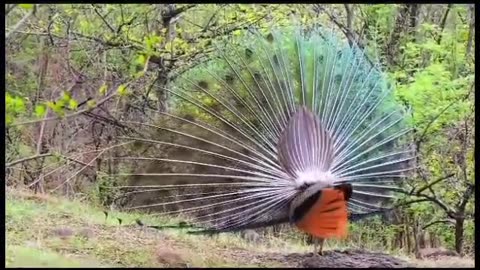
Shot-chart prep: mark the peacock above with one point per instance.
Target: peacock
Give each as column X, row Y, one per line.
column 286, row 126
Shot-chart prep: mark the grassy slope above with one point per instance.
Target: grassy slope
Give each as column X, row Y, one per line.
column 33, row 239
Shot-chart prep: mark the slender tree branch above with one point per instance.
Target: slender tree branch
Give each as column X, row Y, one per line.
column 21, row 22
column 450, row 212
column 10, row 164
column 440, row 203
column 433, row 183
column 442, row 24
column 68, row 115
column 103, row 19
column 437, row 222
column 9, row 8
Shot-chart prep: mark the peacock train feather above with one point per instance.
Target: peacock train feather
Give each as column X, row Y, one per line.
column 270, row 121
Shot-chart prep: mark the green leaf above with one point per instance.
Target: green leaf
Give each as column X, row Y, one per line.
column 139, row 74
column 50, row 104
column 91, row 103
column 15, row 104
column 73, row 104
column 9, row 119
column 8, row 99
column 26, row 6
column 40, row 110
column 60, row 104
column 122, row 90
column 66, row 96
column 103, row 89
column 141, row 60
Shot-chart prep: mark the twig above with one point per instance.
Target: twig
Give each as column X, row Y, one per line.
column 103, row 19
column 9, row 8
column 349, row 34
column 433, row 183
column 88, row 164
column 437, row 222
column 68, row 115
column 450, row 212
column 49, row 173
column 21, row 22
column 27, row 159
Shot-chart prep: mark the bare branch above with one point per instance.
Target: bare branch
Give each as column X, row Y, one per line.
column 21, row 22
column 411, row 202
column 74, row 160
column 450, row 212
column 103, row 19
column 348, row 32
column 433, row 183
column 9, row 8
column 440, row 203
column 210, row 20
column 10, row 164
column 79, row 171
column 437, row 222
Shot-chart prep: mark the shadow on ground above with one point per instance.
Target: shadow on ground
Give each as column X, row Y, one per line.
column 346, row 259
column 330, row 259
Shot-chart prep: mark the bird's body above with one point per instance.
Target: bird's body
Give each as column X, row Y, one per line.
column 327, row 217
column 290, row 127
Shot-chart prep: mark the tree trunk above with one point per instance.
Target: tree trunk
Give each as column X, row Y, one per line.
column 471, row 31
column 416, row 238
column 459, row 222
column 443, row 23
column 392, row 47
column 407, row 234
column 350, row 30
column 162, row 94
column 414, row 18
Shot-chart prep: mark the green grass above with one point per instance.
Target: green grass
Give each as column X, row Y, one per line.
column 31, row 222
column 18, row 256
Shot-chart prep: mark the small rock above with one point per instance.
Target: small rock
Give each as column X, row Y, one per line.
column 169, row 258
column 86, row 233
column 251, row 236
column 32, row 244
column 63, row 233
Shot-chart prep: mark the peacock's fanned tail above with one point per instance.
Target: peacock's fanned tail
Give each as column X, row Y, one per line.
column 249, row 131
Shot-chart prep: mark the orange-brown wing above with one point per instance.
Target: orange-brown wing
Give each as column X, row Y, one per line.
column 328, row 216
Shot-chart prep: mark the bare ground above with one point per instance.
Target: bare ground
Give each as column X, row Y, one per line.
column 330, row 259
